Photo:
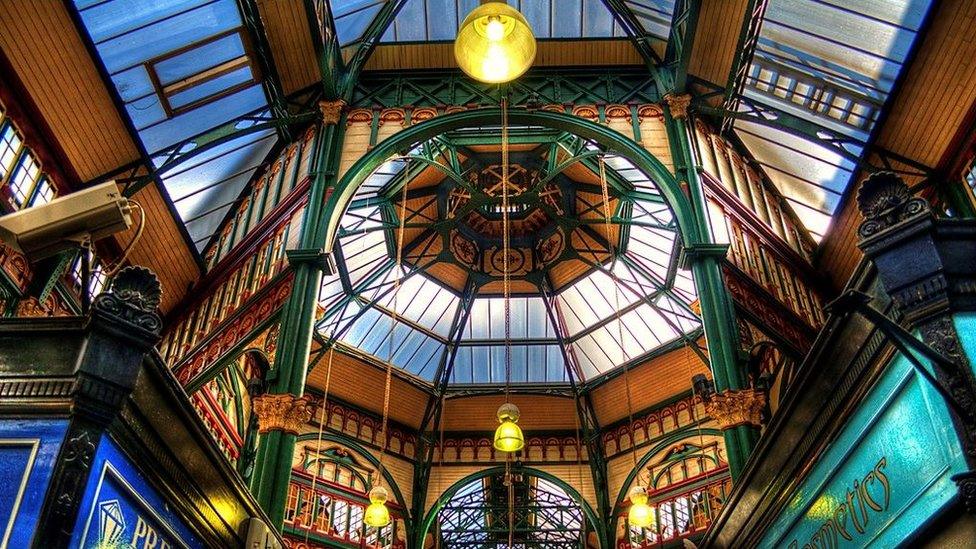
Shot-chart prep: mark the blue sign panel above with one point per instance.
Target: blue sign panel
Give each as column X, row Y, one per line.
column 122, row 510
column 886, row 474
column 28, row 450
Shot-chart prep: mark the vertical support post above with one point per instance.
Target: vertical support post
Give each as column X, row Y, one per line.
column 284, row 407
column 704, row 258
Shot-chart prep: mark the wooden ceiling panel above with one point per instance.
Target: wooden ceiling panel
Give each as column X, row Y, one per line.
column 286, row 26
column 550, row 53
column 539, row 412
column 652, row 382
column 717, row 40
column 361, row 383
column 50, row 58
column 162, row 248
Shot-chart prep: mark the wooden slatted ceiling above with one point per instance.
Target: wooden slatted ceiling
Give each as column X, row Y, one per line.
column 928, row 110
column 650, row 383
column 361, row 383
column 539, row 413
column 550, row 53
column 286, row 26
column 717, row 39
column 44, row 48
column 162, row 248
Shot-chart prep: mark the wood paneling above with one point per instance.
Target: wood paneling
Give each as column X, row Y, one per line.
column 650, row 383
column 287, row 29
column 928, row 109
column 539, row 413
column 44, row 48
column 550, row 53
column 162, row 248
column 717, row 40
column 362, row 384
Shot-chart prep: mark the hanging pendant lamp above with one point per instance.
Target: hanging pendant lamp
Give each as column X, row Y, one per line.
column 508, row 435
column 640, row 515
column 494, row 44
column 377, row 515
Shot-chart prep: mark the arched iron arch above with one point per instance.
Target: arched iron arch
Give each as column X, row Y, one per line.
column 368, row 456
column 326, row 228
column 447, row 494
column 663, row 444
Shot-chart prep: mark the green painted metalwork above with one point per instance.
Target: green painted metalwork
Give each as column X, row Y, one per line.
column 684, row 24
column 536, row 88
column 445, row 497
column 618, row 143
column 273, row 463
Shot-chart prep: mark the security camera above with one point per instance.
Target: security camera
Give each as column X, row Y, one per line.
column 63, row 223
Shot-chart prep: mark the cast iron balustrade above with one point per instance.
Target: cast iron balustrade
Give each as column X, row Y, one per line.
column 334, row 513
column 686, row 514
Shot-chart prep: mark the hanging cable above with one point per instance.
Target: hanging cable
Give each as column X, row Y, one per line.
column 318, row 439
column 508, row 320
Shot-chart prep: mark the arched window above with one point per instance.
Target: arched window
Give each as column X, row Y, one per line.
column 327, row 499
column 544, row 514
column 687, row 487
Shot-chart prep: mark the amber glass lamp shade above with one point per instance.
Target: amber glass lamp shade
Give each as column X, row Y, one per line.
column 377, row 515
column 641, row 514
column 508, row 435
column 494, row 44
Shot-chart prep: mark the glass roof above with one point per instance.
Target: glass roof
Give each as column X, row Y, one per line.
column 182, row 68
column 832, row 63
column 575, row 332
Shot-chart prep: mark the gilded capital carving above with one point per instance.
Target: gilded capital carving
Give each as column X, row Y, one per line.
column 733, row 408
column 282, row 412
column 678, row 105
column 331, row 111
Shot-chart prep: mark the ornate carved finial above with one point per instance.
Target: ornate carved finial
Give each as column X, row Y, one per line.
column 733, row 408
column 678, row 105
column 138, row 287
column 331, row 111
column 282, row 412
column 133, row 297
column 885, row 200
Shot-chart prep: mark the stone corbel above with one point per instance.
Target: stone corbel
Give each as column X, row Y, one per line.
column 734, row 408
column 282, row 412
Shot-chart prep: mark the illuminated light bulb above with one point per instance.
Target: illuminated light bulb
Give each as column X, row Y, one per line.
column 495, row 29
column 508, row 435
column 496, row 65
column 494, row 43
column 377, row 515
column 641, row 514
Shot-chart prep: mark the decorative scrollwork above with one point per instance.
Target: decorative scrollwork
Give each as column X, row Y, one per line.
column 885, row 200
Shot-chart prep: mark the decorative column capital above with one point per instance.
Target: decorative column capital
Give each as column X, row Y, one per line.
column 734, row 408
column 678, row 105
column 282, row 412
column 332, row 111
column 323, row 261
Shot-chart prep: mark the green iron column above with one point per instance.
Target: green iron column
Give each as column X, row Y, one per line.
column 735, row 406
column 283, row 409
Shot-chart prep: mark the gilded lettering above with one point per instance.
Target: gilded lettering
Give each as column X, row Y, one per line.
column 883, row 479
column 866, row 494
column 851, row 496
column 840, row 521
